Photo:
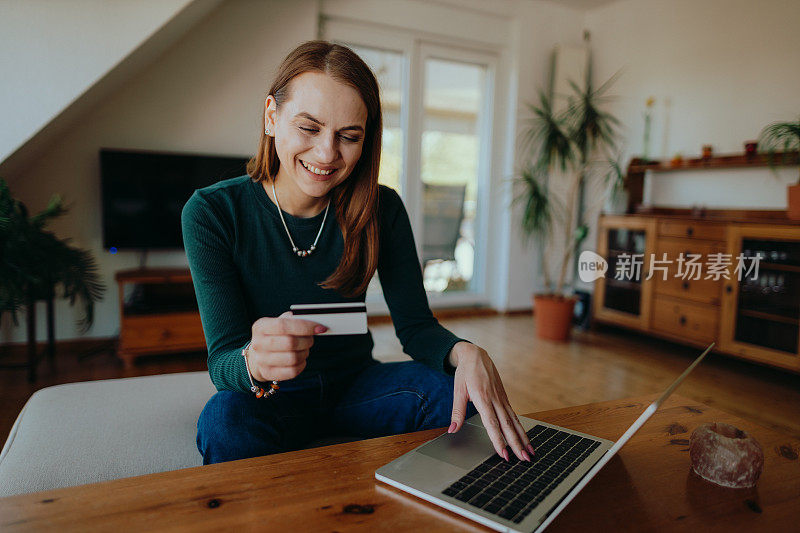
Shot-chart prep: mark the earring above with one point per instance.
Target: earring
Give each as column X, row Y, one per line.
column 266, row 130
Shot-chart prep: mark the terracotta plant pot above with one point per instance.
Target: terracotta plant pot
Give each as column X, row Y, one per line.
column 553, row 315
column 793, row 202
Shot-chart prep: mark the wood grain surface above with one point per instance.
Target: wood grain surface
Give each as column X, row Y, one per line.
column 648, row 486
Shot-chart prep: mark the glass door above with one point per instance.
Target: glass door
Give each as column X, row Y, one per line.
column 453, row 133
column 623, row 295
column 768, row 306
column 389, row 67
column 438, row 108
column 624, row 280
column 761, row 302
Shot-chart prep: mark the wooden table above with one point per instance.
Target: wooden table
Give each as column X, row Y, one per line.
column 648, row 486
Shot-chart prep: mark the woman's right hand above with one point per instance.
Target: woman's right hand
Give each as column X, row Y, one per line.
column 279, row 346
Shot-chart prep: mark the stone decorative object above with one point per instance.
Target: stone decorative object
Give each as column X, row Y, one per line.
column 726, row 455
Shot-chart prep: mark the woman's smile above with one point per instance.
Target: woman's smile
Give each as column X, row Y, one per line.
column 318, row 173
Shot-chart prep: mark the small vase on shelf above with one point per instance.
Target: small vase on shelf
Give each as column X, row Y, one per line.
column 648, row 114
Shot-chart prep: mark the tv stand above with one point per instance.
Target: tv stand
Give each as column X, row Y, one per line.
column 158, row 313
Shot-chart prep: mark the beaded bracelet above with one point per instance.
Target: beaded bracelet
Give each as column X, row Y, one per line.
column 258, row 391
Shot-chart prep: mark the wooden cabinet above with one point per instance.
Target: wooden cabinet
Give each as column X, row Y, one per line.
column 761, row 312
column 754, row 314
column 158, row 313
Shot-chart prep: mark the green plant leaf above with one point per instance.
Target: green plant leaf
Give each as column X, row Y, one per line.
column 536, row 212
column 35, row 264
column 546, row 138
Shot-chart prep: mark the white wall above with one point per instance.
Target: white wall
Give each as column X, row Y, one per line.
column 720, row 70
column 539, row 26
column 204, row 95
column 39, row 78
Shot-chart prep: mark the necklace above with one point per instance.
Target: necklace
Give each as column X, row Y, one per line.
column 295, row 249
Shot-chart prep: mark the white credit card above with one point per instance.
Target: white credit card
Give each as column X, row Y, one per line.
column 340, row 318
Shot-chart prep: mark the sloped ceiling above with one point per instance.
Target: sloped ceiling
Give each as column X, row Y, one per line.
column 583, row 5
column 66, row 57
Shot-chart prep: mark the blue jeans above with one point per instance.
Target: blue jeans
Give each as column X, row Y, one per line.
column 375, row 400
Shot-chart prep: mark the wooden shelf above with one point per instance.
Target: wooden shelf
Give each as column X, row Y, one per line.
column 779, row 266
column 154, row 275
column 619, row 251
column 770, row 316
column 748, row 216
column 623, row 284
column 720, row 161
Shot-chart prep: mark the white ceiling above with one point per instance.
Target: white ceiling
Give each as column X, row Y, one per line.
column 583, row 5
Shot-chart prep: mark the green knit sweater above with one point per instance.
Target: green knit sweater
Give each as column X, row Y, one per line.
column 243, row 269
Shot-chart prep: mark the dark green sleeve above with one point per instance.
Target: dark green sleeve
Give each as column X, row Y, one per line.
column 400, row 274
column 219, row 296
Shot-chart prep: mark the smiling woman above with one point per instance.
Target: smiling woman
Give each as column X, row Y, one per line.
column 249, row 241
column 323, row 110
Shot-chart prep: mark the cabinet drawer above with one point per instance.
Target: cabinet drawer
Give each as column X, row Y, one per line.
column 699, row 290
column 691, row 229
column 152, row 333
column 689, row 320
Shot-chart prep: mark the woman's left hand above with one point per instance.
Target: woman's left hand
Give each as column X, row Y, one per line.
column 477, row 380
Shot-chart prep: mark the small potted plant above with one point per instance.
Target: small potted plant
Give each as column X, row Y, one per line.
column 783, row 137
column 575, row 144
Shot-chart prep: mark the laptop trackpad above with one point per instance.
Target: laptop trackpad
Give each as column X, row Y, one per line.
column 466, row 449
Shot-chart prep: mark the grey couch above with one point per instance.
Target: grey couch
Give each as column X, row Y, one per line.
column 94, row 431
column 100, row 430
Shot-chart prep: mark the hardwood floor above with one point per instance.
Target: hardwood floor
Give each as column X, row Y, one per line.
column 596, row 365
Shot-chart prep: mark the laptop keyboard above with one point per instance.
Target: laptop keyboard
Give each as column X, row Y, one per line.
column 512, row 489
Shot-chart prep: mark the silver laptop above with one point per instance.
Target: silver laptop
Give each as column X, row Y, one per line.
column 462, row 472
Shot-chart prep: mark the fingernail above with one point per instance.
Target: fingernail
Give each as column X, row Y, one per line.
column 452, row 427
column 530, row 449
column 505, row 455
column 526, row 456
column 320, row 329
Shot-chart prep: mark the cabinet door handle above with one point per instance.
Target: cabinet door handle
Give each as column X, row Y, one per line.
column 728, row 289
column 689, row 231
column 685, row 285
column 682, row 320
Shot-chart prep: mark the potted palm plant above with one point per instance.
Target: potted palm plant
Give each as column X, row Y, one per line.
column 36, row 265
column 576, row 145
column 784, row 137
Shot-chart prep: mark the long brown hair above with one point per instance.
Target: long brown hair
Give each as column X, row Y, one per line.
column 355, row 199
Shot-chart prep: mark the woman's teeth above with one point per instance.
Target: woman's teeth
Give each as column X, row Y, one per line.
column 315, row 170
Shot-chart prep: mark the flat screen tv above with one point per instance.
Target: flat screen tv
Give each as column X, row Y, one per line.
column 144, row 192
